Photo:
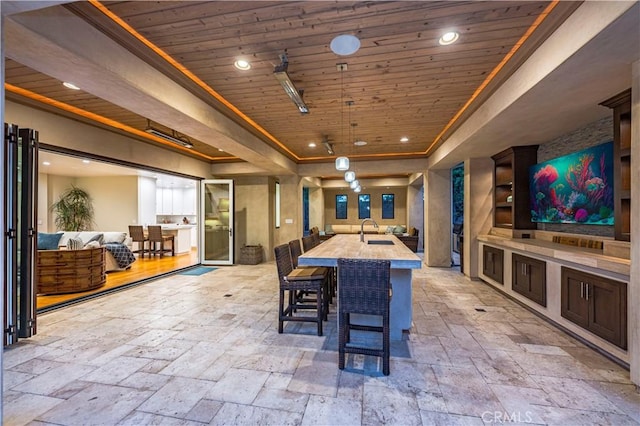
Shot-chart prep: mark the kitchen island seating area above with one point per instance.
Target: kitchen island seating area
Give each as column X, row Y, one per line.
column 159, row 242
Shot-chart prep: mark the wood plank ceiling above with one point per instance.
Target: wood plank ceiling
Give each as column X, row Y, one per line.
column 402, row 82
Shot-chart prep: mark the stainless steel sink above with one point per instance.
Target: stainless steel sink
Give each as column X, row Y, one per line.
column 381, row 242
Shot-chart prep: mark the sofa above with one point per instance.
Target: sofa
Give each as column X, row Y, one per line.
column 368, row 229
column 118, row 255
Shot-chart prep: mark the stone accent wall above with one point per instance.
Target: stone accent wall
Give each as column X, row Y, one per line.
column 593, row 134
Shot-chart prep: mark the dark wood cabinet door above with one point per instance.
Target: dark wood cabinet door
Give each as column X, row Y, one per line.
column 537, row 272
column 493, row 263
column 595, row 303
column 573, row 304
column 608, row 312
column 530, row 278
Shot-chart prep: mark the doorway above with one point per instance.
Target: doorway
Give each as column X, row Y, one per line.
column 218, row 216
column 457, row 215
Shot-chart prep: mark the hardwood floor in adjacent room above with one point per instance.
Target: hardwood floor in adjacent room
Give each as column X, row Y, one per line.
column 141, row 269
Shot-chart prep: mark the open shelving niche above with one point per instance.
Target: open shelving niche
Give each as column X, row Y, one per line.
column 511, row 187
column 621, row 105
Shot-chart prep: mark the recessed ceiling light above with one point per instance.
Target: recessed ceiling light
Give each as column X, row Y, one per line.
column 345, row 44
column 404, row 139
column 46, row 163
column 360, row 143
column 220, row 149
column 70, row 85
column 86, row 161
column 449, row 38
column 242, row 64
column 312, row 144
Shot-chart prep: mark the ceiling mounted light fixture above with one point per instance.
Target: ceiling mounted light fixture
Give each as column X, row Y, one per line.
column 357, row 189
column 280, row 72
column 345, row 44
column 70, row 85
column 327, row 145
column 349, row 176
column 449, row 37
column 242, row 64
column 173, row 138
column 404, row 139
column 312, row 144
column 354, row 184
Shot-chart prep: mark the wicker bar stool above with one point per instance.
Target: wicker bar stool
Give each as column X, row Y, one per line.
column 136, row 232
column 308, row 242
column 296, row 250
column 364, row 287
column 157, row 238
column 293, row 281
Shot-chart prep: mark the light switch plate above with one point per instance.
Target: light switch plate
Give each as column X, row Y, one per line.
column 289, row 221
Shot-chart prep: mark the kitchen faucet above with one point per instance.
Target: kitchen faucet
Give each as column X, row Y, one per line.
column 362, row 228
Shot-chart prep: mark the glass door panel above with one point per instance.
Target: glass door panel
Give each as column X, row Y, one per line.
column 217, row 232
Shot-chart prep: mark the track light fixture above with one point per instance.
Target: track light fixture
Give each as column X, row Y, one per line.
column 173, row 137
column 280, row 72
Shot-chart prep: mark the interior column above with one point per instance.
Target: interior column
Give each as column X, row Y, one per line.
column 437, row 218
column 634, row 288
column 478, row 209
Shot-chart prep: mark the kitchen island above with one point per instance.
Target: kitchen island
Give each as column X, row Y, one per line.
column 181, row 236
column 383, row 247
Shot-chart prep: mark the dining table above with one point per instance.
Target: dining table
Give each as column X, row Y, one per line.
column 374, row 246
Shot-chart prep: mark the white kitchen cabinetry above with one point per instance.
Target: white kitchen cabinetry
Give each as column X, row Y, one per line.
column 176, row 201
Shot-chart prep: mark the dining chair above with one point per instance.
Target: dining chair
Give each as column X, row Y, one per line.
column 308, row 242
column 136, row 232
column 296, row 250
column 158, row 240
column 292, row 281
column 364, row 287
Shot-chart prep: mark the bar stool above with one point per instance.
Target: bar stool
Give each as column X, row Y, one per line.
column 364, row 287
column 137, row 236
column 155, row 237
column 294, row 281
column 296, row 250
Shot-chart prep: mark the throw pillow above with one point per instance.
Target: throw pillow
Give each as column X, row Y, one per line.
column 92, row 244
column 98, row 237
column 48, row 241
column 114, row 237
column 75, row 244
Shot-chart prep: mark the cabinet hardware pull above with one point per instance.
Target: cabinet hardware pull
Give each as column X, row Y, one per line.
column 581, row 289
column 587, row 290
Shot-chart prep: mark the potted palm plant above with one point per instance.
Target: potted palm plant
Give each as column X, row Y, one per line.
column 73, row 210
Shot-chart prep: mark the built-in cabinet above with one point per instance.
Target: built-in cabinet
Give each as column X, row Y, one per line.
column 595, row 303
column 511, row 187
column 621, row 105
column 493, row 263
column 529, row 278
column 176, row 201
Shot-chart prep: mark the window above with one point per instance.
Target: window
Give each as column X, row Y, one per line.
column 364, row 206
column 387, row 206
column 341, row 206
column 277, row 205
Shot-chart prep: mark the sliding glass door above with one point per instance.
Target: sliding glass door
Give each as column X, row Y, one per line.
column 20, row 190
column 217, row 229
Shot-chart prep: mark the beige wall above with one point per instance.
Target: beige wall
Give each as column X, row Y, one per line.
column 415, row 211
column 400, row 202
column 252, row 222
column 316, row 208
column 115, row 200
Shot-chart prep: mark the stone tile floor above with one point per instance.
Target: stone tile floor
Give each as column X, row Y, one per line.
column 191, row 350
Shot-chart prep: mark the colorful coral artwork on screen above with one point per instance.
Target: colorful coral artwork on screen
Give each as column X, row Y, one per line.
column 575, row 188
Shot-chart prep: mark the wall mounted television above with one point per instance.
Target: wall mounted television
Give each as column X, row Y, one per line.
column 575, row 188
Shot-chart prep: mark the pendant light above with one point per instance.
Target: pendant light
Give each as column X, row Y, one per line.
column 342, row 162
column 349, row 176
column 354, row 184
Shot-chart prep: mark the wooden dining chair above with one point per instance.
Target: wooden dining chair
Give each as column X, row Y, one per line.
column 136, row 232
column 364, row 287
column 157, row 241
